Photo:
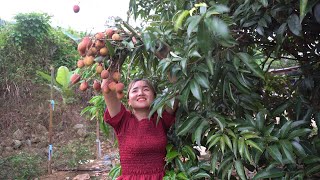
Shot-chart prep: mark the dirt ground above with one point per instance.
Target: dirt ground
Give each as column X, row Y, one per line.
column 28, row 106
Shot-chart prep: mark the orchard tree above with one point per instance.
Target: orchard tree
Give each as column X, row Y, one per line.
column 217, row 56
column 248, row 119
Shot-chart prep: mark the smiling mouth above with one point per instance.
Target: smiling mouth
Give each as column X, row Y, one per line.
column 141, row 99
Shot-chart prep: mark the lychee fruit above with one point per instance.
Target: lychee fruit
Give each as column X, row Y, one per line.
column 119, row 87
column 74, row 78
column 109, row 32
column 80, row 63
column 84, row 86
column 116, row 37
column 104, row 74
column 76, row 8
column 104, row 51
column 116, row 76
column 92, row 51
column 112, row 86
column 99, row 36
column 88, row 60
column 99, row 44
column 99, row 68
column 96, row 85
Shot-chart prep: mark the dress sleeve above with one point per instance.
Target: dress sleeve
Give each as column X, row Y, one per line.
column 168, row 119
column 117, row 120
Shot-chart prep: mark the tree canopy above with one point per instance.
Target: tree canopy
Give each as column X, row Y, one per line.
column 220, row 52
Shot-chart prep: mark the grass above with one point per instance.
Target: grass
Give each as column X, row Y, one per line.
column 75, row 153
column 21, row 166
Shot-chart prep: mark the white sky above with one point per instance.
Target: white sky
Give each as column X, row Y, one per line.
column 91, row 17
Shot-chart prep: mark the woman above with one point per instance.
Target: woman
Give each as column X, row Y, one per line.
column 142, row 141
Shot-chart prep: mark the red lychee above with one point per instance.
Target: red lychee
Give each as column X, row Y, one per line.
column 76, row 8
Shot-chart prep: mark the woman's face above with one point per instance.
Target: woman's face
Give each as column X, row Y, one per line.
column 140, row 95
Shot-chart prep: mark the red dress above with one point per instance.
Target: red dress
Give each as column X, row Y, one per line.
column 142, row 144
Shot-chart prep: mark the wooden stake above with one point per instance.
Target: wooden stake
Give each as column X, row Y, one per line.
column 97, row 136
column 50, row 122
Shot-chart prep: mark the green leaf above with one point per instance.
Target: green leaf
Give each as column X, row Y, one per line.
column 209, row 62
column 199, row 130
column 280, row 109
column 43, row 75
column 212, row 137
column 260, row 119
column 193, row 170
column 227, row 141
column 298, row 148
column 179, row 164
column 303, row 5
column 214, row 141
column 203, row 37
column 169, row 147
column 196, row 90
column 201, row 175
column 63, row 76
column 202, row 80
column 183, row 63
column 224, row 163
column 171, row 155
column 214, row 160
column 237, row 83
column 253, row 144
column 272, row 173
column 189, row 151
column 187, row 125
column 275, row 153
column 220, row 120
column 182, row 176
column 218, row 27
column 313, row 170
column 103, row 126
column 222, row 144
column 285, row 129
column 216, row 10
column 251, row 64
column 299, row 132
column 193, row 23
column 294, row 24
column 287, row 152
column 115, row 172
column 241, row 146
column 182, row 16
column 240, row 169
column 110, row 48
column 264, row 2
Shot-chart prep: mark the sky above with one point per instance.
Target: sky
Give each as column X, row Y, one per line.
column 91, row 17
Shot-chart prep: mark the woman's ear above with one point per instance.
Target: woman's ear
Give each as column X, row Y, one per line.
column 129, row 102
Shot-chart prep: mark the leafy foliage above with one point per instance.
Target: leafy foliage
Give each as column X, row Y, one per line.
column 31, row 43
column 21, row 166
column 246, row 117
column 61, row 83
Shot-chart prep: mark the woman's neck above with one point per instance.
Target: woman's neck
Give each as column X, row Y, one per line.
column 141, row 113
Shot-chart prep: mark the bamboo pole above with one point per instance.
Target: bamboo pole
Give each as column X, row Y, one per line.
column 50, row 122
column 98, row 152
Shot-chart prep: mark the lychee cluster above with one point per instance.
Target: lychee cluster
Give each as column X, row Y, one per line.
column 97, row 60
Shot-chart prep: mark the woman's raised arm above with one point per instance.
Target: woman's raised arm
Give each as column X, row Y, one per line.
column 110, row 97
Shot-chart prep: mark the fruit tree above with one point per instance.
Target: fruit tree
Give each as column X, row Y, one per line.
column 252, row 123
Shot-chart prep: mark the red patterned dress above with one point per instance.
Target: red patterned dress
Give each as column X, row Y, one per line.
column 141, row 144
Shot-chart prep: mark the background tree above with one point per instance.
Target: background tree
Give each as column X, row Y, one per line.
column 32, row 44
